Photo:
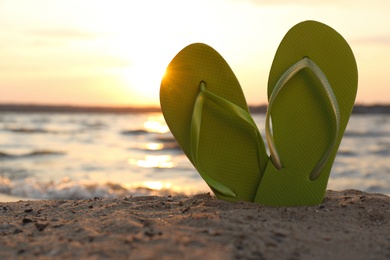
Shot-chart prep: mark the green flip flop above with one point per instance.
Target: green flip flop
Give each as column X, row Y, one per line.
column 206, row 111
column 311, row 90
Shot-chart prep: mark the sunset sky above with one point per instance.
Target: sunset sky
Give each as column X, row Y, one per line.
column 91, row 52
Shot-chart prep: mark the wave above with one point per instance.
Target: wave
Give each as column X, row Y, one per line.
column 94, row 125
column 165, row 139
column 25, row 130
column 365, row 134
column 5, row 155
column 134, row 132
column 157, row 142
column 378, row 189
column 69, row 190
column 381, row 152
column 346, row 153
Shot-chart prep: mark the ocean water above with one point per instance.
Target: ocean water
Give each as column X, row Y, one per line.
column 76, row 155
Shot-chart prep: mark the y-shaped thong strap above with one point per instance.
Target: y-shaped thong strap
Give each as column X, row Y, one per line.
column 294, row 69
column 233, row 109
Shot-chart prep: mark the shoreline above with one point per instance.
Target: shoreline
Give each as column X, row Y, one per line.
column 349, row 224
column 11, row 198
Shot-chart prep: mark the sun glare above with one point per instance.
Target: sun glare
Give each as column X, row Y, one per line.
column 154, row 161
column 157, row 185
column 145, row 79
column 154, row 146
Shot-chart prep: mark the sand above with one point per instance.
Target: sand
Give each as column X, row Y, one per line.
column 348, row 225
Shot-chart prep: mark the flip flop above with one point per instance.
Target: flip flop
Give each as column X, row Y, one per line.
column 311, row 90
column 206, row 111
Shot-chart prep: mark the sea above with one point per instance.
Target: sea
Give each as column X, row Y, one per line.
column 68, row 155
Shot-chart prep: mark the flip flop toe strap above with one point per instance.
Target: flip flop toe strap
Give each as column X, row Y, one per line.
column 294, row 69
column 203, row 96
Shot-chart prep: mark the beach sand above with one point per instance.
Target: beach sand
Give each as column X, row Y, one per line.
column 348, row 225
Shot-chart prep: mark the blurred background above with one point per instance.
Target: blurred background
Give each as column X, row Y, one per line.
column 79, row 89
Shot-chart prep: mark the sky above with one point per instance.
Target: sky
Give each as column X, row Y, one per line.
column 114, row 53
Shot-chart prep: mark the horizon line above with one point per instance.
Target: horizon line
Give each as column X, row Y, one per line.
column 359, row 108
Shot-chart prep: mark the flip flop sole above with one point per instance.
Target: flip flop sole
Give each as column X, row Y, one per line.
column 302, row 115
column 227, row 146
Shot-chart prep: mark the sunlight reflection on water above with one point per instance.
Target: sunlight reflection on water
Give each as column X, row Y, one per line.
column 154, row 146
column 154, row 161
column 156, row 124
column 87, row 155
column 157, row 185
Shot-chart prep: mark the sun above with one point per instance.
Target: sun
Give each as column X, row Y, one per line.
column 145, row 77
column 147, row 66
column 143, row 80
